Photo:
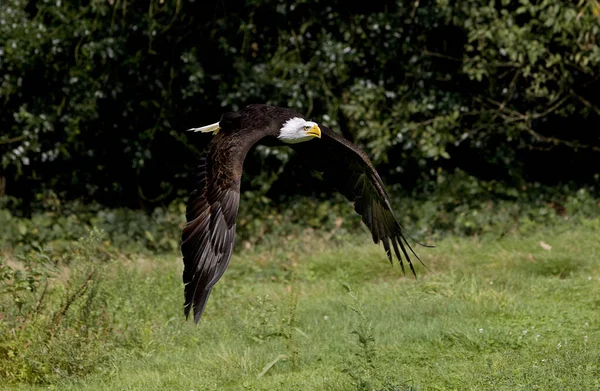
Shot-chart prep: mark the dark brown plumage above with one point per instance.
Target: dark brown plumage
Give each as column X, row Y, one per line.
column 208, row 237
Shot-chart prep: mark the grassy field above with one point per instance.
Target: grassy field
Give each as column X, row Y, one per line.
column 490, row 314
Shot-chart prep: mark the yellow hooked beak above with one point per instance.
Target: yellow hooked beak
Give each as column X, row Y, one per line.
column 314, row 131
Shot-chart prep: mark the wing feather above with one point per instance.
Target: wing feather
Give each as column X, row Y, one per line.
column 349, row 170
column 209, row 235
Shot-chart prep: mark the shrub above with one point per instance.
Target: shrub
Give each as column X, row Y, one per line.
column 95, row 96
column 457, row 204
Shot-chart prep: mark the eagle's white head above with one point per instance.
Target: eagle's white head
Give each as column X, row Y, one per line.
column 297, row 130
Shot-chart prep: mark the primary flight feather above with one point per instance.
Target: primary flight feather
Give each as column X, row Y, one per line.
column 209, row 235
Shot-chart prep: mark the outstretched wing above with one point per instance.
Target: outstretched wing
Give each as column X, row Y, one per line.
column 349, row 170
column 209, row 235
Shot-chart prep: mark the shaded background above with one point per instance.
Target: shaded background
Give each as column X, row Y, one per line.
column 95, row 95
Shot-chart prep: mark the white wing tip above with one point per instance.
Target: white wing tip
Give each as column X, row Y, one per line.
column 214, row 128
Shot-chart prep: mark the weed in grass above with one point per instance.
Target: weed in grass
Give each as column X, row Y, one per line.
column 363, row 370
column 261, row 320
column 289, row 327
column 52, row 326
column 287, row 330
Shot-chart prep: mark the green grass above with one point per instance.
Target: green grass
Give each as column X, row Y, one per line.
column 489, row 315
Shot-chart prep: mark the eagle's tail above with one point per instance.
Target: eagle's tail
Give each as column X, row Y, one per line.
column 207, row 129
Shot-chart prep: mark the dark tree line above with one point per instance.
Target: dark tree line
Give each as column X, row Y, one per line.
column 95, row 95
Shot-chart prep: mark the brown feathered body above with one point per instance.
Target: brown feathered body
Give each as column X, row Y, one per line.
column 209, row 235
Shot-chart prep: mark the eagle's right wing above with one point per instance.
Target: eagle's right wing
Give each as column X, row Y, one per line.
column 209, row 235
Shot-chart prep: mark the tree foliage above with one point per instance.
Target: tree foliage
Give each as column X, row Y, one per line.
column 95, row 94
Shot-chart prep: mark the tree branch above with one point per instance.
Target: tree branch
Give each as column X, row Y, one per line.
column 13, row 140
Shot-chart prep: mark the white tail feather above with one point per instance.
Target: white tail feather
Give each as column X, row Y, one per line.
column 206, row 129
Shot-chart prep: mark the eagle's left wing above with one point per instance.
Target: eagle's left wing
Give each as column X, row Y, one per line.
column 350, row 171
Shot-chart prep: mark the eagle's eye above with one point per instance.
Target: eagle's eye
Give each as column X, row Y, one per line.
column 307, row 127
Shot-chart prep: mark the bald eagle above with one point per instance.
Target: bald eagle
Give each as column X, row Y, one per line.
column 208, row 236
